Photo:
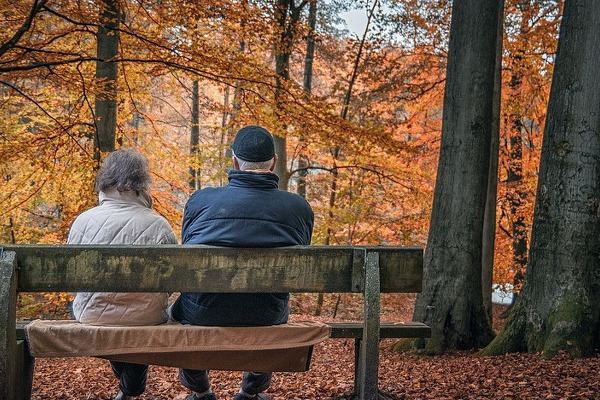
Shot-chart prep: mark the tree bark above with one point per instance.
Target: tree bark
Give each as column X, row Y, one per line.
column 195, row 136
column 516, row 195
column 106, row 75
column 489, row 222
column 307, row 86
column 283, row 52
column 558, row 305
column 451, row 301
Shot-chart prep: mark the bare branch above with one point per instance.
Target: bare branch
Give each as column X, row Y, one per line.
column 35, row 9
column 38, row 105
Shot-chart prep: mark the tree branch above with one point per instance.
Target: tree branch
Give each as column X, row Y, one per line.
column 35, row 9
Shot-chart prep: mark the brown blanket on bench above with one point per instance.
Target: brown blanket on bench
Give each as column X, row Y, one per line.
column 286, row 347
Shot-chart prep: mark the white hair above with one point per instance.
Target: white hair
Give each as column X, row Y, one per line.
column 252, row 165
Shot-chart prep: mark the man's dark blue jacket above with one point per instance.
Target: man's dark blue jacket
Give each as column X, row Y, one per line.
column 249, row 212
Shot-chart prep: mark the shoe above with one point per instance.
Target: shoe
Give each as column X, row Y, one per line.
column 121, row 396
column 209, row 396
column 260, row 396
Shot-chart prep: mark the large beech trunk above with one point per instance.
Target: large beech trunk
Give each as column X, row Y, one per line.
column 451, row 301
column 558, row 306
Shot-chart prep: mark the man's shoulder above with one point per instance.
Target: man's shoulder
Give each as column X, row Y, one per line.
column 205, row 192
column 293, row 198
column 200, row 200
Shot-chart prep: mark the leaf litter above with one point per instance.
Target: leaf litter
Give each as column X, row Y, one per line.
column 407, row 375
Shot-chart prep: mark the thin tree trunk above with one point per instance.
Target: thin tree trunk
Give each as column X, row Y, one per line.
column 282, row 59
column 517, row 195
column 106, row 74
column 283, row 52
column 224, row 124
column 236, row 104
column 557, row 308
column 195, row 137
column 489, row 221
column 232, row 116
column 451, row 301
column 517, row 199
column 307, row 86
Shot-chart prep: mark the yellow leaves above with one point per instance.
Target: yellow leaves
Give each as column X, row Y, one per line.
column 43, row 305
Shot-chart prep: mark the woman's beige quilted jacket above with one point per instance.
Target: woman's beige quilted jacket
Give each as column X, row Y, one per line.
column 121, row 218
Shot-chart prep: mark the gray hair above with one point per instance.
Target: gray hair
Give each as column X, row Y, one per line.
column 252, row 165
column 124, row 169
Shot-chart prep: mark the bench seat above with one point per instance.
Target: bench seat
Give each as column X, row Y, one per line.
column 285, row 347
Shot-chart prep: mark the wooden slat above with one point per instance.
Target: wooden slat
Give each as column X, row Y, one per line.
column 401, row 268
column 387, row 330
column 184, row 268
column 174, row 268
column 21, row 330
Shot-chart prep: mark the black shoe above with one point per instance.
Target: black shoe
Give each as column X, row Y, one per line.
column 121, row 396
column 194, row 396
column 260, row 396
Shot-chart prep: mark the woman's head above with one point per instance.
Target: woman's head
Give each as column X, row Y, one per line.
column 124, row 169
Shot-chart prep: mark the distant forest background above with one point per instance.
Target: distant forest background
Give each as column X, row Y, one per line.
column 357, row 115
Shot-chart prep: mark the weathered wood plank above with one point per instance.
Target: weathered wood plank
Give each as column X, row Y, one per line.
column 184, row 268
column 367, row 364
column 175, row 268
column 401, row 268
column 8, row 339
column 386, row 330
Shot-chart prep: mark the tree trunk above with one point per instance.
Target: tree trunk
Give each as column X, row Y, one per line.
column 489, row 221
column 516, row 194
column 195, row 137
column 106, row 75
column 307, row 86
column 516, row 199
column 451, row 301
column 282, row 60
column 558, row 305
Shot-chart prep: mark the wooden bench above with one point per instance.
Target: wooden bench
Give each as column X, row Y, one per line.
column 300, row 269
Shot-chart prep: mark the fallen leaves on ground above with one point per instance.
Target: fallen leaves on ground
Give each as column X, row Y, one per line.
column 459, row 375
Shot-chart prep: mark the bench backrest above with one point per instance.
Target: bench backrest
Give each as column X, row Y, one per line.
column 178, row 268
column 175, row 268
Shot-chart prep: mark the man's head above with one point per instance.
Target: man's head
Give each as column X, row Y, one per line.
column 254, row 149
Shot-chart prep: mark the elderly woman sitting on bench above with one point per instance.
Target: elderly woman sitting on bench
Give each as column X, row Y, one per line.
column 124, row 216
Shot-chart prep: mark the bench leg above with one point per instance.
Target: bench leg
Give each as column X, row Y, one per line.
column 23, row 371
column 357, row 367
column 366, row 370
column 8, row 331
column 367, row 351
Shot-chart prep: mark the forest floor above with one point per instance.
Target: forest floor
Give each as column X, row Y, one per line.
column 457, row 375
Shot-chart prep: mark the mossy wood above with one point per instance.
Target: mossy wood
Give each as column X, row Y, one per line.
column 325, row 269
column 47, row 268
